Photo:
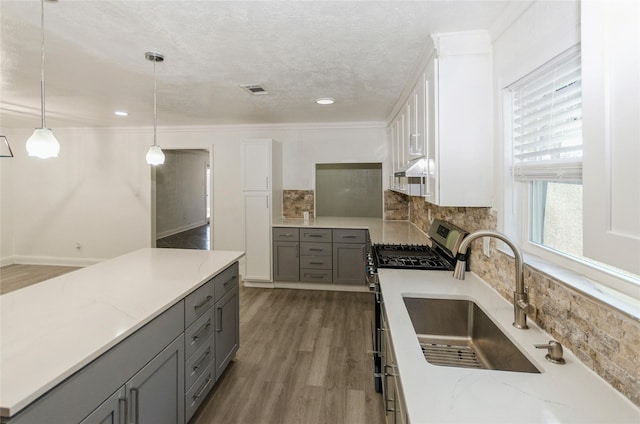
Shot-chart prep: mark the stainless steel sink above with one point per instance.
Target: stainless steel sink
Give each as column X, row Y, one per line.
column 457, row 333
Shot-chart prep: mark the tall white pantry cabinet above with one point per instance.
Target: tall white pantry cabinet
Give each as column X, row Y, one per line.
column 262, row 194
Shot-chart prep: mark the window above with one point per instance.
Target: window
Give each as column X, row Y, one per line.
column 544, row 120
column 547, row 151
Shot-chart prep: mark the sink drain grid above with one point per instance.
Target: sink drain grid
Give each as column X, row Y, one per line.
column 450, row 355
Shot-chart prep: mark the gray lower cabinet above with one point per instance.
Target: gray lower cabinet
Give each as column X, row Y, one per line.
column 320, row 255
column 112, row 410
column 155, row 393
column 286, row 253
column 286, row 265
column 227, row 332
column 212, row 335
column 349, row 263
column 349, row 256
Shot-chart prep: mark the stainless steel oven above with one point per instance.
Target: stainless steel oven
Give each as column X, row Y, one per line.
column 440, row 256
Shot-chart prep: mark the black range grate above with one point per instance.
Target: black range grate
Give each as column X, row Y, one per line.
column 404, row 256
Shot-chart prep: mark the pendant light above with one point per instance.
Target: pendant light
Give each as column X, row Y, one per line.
column 154, row 155
column 42, row 143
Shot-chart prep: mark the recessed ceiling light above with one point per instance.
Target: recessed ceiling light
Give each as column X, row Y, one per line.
column 325, row 101
column 121, row 113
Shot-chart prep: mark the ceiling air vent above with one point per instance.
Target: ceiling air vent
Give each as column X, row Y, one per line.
column 255, row 89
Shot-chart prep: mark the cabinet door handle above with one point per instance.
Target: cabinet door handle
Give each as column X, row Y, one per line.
column 286, row 235
column 204, row 302
column 202, row 388
column 124, row 411
column 200, row 360
column 201, row 330
column 314, row 275
column 315, row 263
column 134, row 404
column 315, row 249
column 297, row 250
column 349, row 237
column 228, row 281
column 219, row 326
column 314, row 235
column 266, row 182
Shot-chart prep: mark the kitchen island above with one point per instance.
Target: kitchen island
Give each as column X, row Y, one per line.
column 54, row 330
column 569, row 393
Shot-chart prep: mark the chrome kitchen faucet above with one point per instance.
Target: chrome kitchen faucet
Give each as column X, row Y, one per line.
column 521, row 306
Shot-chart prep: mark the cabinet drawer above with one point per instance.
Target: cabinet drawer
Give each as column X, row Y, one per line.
column 197, row 333
column 315, row 262
column 225, row 281
column 315, row 249
column 196, row 394
column 198, row 302
column 315, row 234
column 316, row 275
column 349, row 236
column 285, row 234
column 196, row 365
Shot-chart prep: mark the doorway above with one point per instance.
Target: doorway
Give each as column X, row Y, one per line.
column 183, row 200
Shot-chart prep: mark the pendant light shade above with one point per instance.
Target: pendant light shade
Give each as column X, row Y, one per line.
column 154, row 155
column 42, row 143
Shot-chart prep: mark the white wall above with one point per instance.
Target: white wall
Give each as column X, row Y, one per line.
column 98, row 192
column 95, row 194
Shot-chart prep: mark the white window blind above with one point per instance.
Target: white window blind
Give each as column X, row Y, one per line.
column 547, row 121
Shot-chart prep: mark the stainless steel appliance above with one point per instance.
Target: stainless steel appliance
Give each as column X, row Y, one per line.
column 440, row 256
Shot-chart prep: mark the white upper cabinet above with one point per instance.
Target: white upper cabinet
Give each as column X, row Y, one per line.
column 450, row 122
column 417, row 125
column 256, row 165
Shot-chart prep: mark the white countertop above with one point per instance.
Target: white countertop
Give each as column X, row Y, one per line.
column 50, row 330
column 380, row 230
column 569, row 393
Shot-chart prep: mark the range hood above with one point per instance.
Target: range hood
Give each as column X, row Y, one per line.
column 417, row 168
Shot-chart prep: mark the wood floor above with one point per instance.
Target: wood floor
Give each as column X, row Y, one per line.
column 304, row 357
column 14, row 277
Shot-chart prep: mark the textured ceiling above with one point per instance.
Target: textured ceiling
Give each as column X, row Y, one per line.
column 360, row 52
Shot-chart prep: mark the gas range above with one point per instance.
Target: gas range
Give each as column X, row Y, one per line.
column 445, row 239
column 411, row 257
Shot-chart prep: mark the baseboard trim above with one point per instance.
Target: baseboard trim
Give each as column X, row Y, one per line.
column 50, row 260
column 171, row 232
column 8, row 260
column 254, row 284
column 306, row 286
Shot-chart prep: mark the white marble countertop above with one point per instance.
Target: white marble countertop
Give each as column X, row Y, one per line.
column 50, row 330
column 380, row 230
column 569, row 393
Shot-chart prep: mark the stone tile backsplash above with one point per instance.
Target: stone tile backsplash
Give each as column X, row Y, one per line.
column 604, row 338
column 295, row 202
column 396, row 206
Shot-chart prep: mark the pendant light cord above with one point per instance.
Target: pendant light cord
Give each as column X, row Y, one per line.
column 155, row 110
column 42, row 53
